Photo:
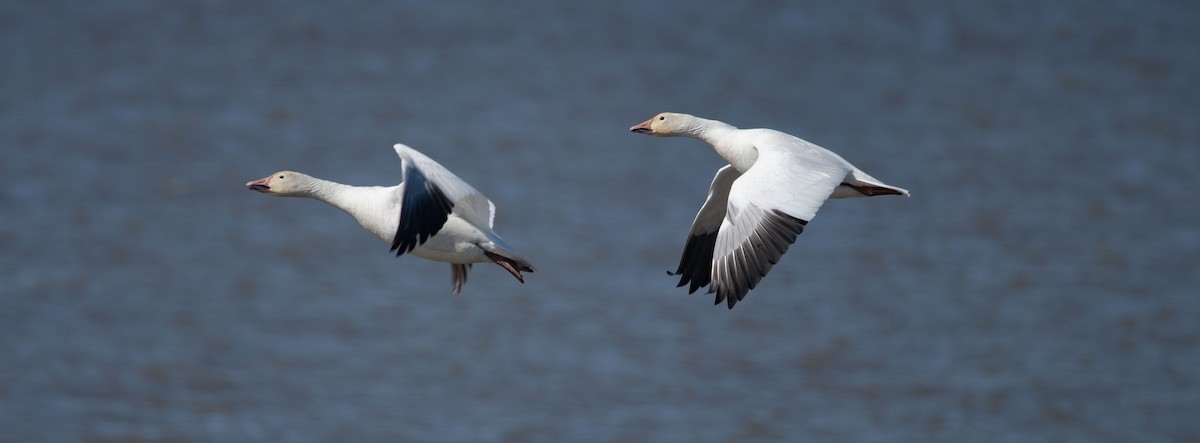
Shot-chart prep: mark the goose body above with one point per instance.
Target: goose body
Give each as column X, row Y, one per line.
column 431, row 214
column 757, row 204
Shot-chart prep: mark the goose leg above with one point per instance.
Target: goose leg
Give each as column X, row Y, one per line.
column 458, row 274
column 507, row 264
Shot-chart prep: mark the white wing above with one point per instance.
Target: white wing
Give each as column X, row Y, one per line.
column 695, row 266
column 430, row 194
column 768, row 207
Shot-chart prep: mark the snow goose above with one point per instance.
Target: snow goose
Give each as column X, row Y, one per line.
column 758, row 203
column 432, row 214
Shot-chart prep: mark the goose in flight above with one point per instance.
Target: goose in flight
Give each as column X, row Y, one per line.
column 431, row 214
column 758, row 203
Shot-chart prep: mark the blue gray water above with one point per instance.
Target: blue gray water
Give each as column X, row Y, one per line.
column 1039, row 285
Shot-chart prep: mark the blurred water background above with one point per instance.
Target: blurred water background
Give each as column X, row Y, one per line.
column 1039, row 286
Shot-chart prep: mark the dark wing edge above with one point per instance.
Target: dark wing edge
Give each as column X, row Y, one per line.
column 738, row 272
column 695, row 266
column 423, row 211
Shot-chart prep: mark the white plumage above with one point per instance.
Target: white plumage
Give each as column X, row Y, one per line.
column 759, row 203
column 432, row 214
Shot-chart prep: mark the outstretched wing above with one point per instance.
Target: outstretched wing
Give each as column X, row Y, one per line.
column 695, row 266
column 430, row 194
column 768, row 207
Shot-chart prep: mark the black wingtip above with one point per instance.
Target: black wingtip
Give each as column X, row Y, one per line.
column 424, row 209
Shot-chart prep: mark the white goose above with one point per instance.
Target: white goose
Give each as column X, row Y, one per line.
column 432, row 214
column 757, row 204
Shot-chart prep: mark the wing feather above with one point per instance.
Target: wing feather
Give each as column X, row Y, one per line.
column 768, row 207
column 695, row 266
column 429, row 195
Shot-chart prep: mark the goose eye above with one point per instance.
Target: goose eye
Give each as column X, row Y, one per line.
column 281, row 177
column 660, row 118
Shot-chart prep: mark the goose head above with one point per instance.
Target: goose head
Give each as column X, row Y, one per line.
column 282, row 183
column 667, row 124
